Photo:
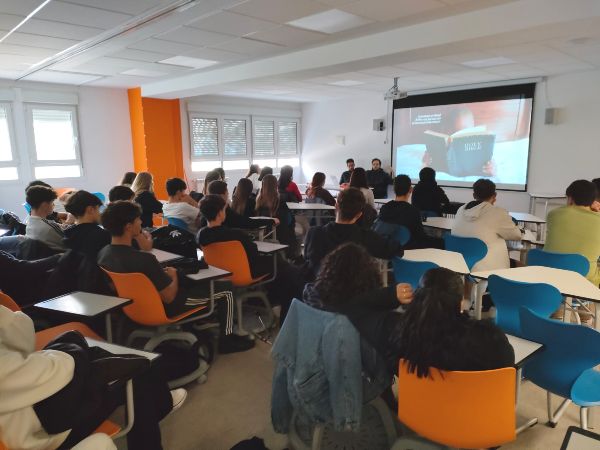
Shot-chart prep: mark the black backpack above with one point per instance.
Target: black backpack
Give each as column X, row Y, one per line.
column 9, row 220
column 175, row 240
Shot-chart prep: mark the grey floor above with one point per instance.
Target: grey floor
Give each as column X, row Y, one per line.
column 234, row 405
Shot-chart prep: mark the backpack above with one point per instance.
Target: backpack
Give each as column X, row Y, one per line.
column 9, row 220
column 175, row 240
column 180, row 358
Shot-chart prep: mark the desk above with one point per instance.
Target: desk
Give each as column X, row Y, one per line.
column 526, row 218
column 383, row 201
column 546, row 197
column 450, row 260
column 121, row 350
column 163, row 256
column 87, row 305
column 309, row 207
column 440, row 224
column 269, row 247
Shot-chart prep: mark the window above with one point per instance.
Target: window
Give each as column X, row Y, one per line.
column 275, row 140
column 54, row 141
column 8, row 166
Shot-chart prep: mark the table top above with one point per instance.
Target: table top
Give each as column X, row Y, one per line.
column 269, row 247
column 535, row 195
column 84, row 304
column 443, row 223
column 443, row 258
column 309, row 206
column 163, row 256
column 3, row 231
column 523, row 348
column 212, row 273
column 526, row 217
column 120, row 350
column 383, row 201
column 569, row 283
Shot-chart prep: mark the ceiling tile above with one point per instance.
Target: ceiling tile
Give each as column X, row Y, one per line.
column 53, row 76
column 40, row 41
column 280, row 11
column 122, row 81
column 160, row 46
column 516, row 71
column 384, row 10
column 140, row 55
column 16, row 62
column 248, row 47
column 133, row 7
column 231, row 23
column 81, row 15
column 19, row 7
column 9, row 21
column 389, row 72
column 289, row 36
column 198, row 37
column 214, row 54
column 430, row 66
column 331, row 21
column 59, row 30
column 336, row 3
column 37, row 52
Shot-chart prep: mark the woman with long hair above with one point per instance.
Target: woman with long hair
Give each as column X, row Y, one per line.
column 128, row 179
column 358, row 179
column 143, row 187
column 253, row 175
column 211, row 176
column 316, row 189
column 243, row 201
column 287, row 186
column 267, row 202
column 264, row 172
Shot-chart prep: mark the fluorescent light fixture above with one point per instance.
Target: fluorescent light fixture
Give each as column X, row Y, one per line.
column 332, row 21
column 277, row 92
column 143, row 73
column 29, row 16
column 346, row 83
column 488, row 62
column 186, row 61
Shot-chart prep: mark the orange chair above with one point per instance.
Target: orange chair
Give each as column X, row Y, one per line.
column 9, row 303
column 147, row 309
column 459, row 409
column 231, row 256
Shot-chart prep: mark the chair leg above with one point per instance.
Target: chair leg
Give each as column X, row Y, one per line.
column 553, row 418
column 240, row 316
column 583, row 417
column 317, row 437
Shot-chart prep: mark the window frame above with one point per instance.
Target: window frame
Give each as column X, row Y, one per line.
column 34, row 161
column 220, row 137
column 15, row 161
column 276, row 120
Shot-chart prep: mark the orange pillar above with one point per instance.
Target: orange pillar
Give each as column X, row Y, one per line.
column 138, row 138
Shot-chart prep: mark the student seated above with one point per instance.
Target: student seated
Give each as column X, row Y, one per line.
column 575, row 228
column 264, row 172
column 243, row 201
column 596, row 205
column 41, row 199
column 180, row 205
column 56, row 216
column 287, row 285
column 56, row 397
column 120, row 193
column 128, row 179
column 483, row 220
column 123, row 222
column 378, row 179
column 345, row 178
column 211, row 176
column 143, row 186
column 86, row 236
column 427, row 196
column 321, row 240
column 358, row 180
column 287, row 188
column 316, row 189
column 24, row 281
column 401, row 212
column 253, row 174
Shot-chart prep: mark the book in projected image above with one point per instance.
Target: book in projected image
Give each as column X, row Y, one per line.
column 460, row 154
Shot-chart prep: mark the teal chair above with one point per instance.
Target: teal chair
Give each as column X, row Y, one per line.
column 472, row 249
column 566, row 261
column 410, row 272
column 27, row 207
column 394, row 231
column 565, row 366
column 176, row 222
column 100, row 196
column 509, row 296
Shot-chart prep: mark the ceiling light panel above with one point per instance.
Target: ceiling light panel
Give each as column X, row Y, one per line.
column 52, row 76
column 289, row 36
column 330, row 22
column 186, row 61
column 386, row 10
column 280, row 11
column 346, row 83
column 144, row 73
column 488, row 62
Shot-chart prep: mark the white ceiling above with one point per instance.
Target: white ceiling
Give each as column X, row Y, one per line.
column 253, row 51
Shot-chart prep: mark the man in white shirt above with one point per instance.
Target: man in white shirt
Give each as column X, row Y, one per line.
column 180, row 205
column 41, row 199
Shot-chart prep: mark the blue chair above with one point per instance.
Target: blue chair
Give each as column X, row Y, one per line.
column 100, row 196
column 406, row 271
column 565, row 366
column 566, row 261
column 509, row 296
column 472, row 249
column 176, row 222
column 27, row 207
column 394, row 231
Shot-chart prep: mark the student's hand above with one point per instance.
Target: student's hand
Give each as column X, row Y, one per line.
column 489, row 168
column 189, row 200
column 404, row 293
column 595, row 206
column 276, row 221
column 427, row 159
column 172, row 272
column 144, row 240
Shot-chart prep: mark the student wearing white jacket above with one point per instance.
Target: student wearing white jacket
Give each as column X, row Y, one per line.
column 493, row 225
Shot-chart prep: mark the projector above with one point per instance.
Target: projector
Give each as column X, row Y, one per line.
column 394, row 93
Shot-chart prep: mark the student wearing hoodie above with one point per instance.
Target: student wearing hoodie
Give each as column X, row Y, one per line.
column 493, row 225
column 427, row 196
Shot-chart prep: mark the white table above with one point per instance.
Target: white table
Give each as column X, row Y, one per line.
column 383, row 201
column 163, row 256
column 120, row 349
column 309, row 207
column 87, row 305
column 526, row 218
column 546, row 197
column 269, row 247
column 450, row 260
column 440, row 223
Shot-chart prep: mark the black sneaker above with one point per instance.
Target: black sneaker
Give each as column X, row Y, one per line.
column 234, row 343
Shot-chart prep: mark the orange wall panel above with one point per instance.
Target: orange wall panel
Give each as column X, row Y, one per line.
column 138, row 138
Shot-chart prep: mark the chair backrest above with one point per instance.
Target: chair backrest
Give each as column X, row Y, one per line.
column 569, row 350
column 8, row 302
column 27, row 207
column 147, row 307
column 391, row 230
column 231, row 256
column 459, row 409
column 177, row 222
column 472, row 249
column 43, row 337
column 100, row 196
column 406, row 271
column 508, row 296
column 566, row 261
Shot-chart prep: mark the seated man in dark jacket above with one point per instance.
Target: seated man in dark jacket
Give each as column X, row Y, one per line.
column 401, row 212
column 323, row 239
column 86, row 236
column 288, row 283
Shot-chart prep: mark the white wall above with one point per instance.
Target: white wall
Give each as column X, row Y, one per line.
column 105, row 140
column 560, row 153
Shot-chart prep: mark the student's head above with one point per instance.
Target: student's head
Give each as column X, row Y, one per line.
column 143, row 182
column 240, row 197
column 596, row 182
column 254, row 168
column 120, row 193
column 37, row 183
column 211, row 176
column 176, row 187
column 318, row 180
column 358, row 179
column 221, row 173
column 286, row 174
column 350, row 164
column 128, row 178
column 264, row 172
column 41, row 199
column 402, row 185
column 219, row 187
column 268, row 197
column 581, row 193
column 340, row 277
column 122, row 218
column 212, row 208
column 431, row 317
column 484, row 190
column 84, row 205
column 376, row 163
column 427, row 174
column 350, row 205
